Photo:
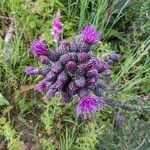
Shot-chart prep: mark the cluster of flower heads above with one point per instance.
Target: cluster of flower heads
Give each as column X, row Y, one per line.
column 73, row 69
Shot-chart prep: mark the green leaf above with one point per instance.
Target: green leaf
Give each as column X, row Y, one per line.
column 3, row 101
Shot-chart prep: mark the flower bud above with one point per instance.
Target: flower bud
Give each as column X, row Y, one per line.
column 44, row 60
column 64, row 47
column 53, row 56
column 82, row 57
column 100, row 85
column 94, row 62
column 38, row 48
column 65, row 58
column 71, row 66
column 44, row 71
column 50, row 93
column 73, row 47
column 51, row 76
column 84, row 47
column 41, row 85
column 92, row 73
column 73, row 88
column 31, row 70
column 80, row 81
column 110, row 62
column 107, row 73
column 91, row 81
column 83, row 93
column 61, row 80
column 102, row 67
column 97, row 90
column 57, row 68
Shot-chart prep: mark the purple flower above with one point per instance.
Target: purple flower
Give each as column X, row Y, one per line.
column 44, row 60
column 61, row 80
column 41, row 85
column 38, row 48
column 91, row 81
column 90, row 34
column 94, row 63
column 71, row 66
column 57, row 68
column 50, row 93
column 102, row 67
column 51, row 76
column 57, row 27
column 107, row 73
column 83, row 93
column 82, row 57
column 88, row 105
column 65, row 58
column 92, row 73
column 64, row 44
column 31, row 70
column 80, row 81
column 72, row 88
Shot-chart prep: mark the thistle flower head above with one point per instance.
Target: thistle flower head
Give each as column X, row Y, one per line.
column 38, row 48
column 31, row 70
column 83, row 57
column 71, row 66
column 90, row 34
column 44, row 60
column 57, row 27
column 88, row 105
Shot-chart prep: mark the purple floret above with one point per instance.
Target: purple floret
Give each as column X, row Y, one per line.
column 71, row 66
column 73, row 88
column 80, row 81
column 38, row 47
column 90, row 34
column 44, row 60
column 87, row 105
column 31, row 70
column 82, row 57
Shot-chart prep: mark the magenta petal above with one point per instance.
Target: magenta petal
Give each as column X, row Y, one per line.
column 88, row 105
column 90, row 34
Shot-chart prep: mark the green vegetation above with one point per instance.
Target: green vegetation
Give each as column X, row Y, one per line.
column 28, row 122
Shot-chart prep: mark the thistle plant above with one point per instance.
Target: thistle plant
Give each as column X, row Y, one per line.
column 73, row 69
